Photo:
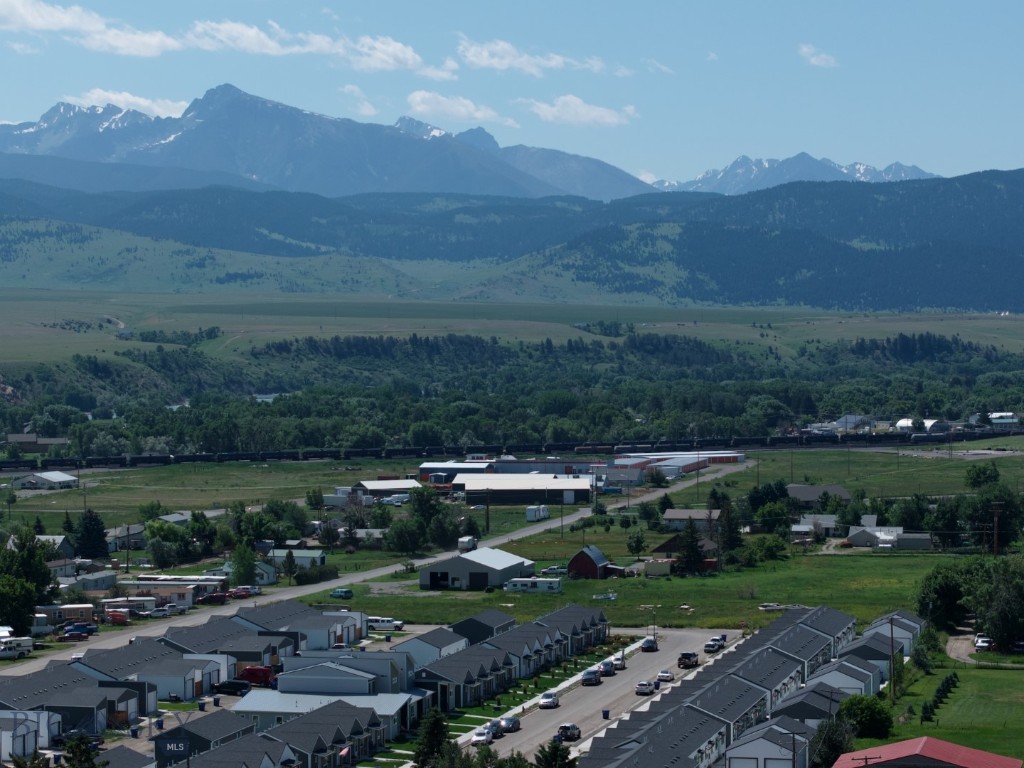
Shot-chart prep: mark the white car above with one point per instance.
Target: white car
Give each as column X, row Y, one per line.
column 481, row 737
column 548, row 700
column 666, row 676
column 644, row 688
column 983, row 644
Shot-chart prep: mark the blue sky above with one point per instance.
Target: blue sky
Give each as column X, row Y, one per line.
column 660, row 88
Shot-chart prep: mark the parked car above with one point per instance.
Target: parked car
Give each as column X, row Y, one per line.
column 342, row 593
column 688, row 660
column 569, row 732
column 983, row 644
column 72, row 637
column 63, row 738
column 606, row 668
column 86, row 627
column 239, row 593
column 591, row 677
column 712, row 646
column 233, row 687
column 214, row 598
column 644, row 688
column 173, row 609
column 495, row 728
column 481, row 737
column 619, row 662
column 548, row 700
column 156, row 613
column 510, row 724
column 554, row 570
column 648, row 645
column 666, row 676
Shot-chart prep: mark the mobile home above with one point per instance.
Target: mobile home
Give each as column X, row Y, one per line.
column 534, row 585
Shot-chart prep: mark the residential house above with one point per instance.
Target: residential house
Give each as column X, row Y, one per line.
column 304, row 558
column 896, row 625
column 220, row 727
column 433, row 645
column 705, row 520
column 877, row 649
column 468, row 677
column 130, row 537
column 252, row 751
column 809, row 496
column 65, row 548
column 480, row 626
column 308, row 628
column 850, row 675
column 812, row 705
column 266, row 573
column 780, row 741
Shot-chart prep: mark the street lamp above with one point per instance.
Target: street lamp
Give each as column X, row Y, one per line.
column 654, row 618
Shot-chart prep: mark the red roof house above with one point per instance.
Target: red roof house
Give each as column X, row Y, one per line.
column 924, row 751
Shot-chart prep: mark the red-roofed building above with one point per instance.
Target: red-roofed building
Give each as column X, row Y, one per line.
column 925, row 751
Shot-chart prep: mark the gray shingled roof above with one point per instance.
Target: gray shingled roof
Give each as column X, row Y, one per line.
column 219, row 725
column 767, row 668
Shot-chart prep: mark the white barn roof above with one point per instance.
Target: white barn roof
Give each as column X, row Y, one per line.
column 525, row 482
column 56, row 477
column 389, row 485
column 498, row 559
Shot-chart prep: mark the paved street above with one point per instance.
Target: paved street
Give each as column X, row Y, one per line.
column 584, row 706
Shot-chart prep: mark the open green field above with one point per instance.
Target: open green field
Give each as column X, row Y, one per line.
column 28, row 321
column 982, row 712
column 864, row 585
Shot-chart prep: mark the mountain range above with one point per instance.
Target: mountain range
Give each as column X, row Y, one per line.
column 934, row 243
column 232, row 138
column 744, row 175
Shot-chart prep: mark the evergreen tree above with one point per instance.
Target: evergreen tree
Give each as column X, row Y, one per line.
column 664, row 503
column 91, row 536
column 691, row 559
column 328, row 536
column 78, row 753
column 38, row 527
column 431, row 739
column 68, row 526
column 290, row 567
column 553, row 754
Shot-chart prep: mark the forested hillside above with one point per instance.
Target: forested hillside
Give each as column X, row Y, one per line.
column 457, row 389
column 935, row 244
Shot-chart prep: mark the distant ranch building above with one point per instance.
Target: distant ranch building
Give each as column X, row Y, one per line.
column 479, row 569
column 523, row 489
column 46, row 481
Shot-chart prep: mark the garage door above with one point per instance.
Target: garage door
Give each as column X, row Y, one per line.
column 478, row 580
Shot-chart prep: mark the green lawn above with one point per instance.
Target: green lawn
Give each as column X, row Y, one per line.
column 982, row 712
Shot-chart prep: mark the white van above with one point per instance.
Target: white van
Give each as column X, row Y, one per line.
column 383, row 623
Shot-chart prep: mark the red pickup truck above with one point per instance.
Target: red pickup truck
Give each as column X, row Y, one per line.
column 257, row 675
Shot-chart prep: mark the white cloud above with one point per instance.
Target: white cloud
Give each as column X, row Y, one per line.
column 91, row 30
column 657, row 66
column 648, row 177
column 503, row 56
column 444, row 72
column 712, row 56
column 433, row 104
column 573, row 110
column 35, row 16
column 362, row 105
column 622, row 71
column 125, row 100
column 816, row 58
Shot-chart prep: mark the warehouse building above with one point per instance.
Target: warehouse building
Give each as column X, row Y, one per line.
column 478, row 569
